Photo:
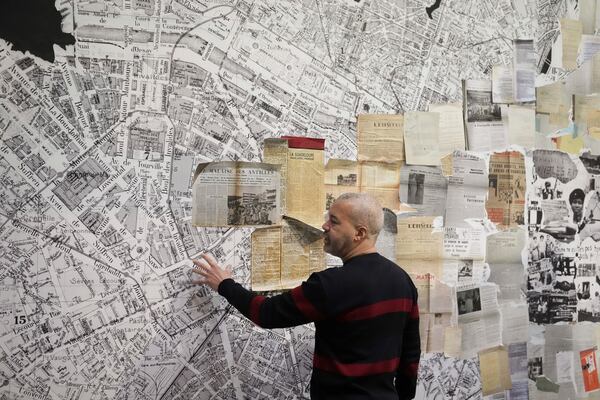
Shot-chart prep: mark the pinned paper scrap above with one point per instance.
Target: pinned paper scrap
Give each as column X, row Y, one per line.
column 569, row 144
column 544, row 384
column 495, row 371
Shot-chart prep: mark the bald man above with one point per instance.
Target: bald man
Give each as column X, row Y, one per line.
column 366, row 317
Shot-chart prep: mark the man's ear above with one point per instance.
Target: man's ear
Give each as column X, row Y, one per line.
column 361, row 233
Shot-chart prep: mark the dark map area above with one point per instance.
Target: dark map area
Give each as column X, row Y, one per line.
column 34, row 26
column 432, row 8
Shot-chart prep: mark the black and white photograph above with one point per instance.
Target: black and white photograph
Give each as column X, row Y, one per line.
column 588, row 296
column 480, row 107
column 465, row 270
column 416, row 188
column 591, row 162
column 468, row 301
column 252, row 208
column 534, row 368
column 347, row 180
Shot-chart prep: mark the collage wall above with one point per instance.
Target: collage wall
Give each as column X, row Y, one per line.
column 475, row 122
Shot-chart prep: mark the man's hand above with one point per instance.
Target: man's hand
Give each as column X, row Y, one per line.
column 212, row 273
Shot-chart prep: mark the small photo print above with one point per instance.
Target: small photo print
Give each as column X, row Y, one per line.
column 468, row 301
column 480, row 107
column 416, row 188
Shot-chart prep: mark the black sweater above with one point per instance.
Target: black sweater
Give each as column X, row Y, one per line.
column 367, row 326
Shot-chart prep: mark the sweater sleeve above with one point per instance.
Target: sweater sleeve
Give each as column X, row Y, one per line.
column 406, row 375
column 303, row 304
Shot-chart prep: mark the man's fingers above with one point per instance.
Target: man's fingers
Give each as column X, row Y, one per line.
column 210, row 259
column 199, row 281
column 200, row 271
column 201, row 263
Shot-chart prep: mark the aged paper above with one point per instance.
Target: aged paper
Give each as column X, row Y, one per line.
column 284, row 256
column 266, row 259
column 571, row 31
column 447, row 164
column 305, row 197
column 555, row 101
column 495, row 371
column 382, row 180
column 505, row 202
column 301, row 252
column 521, row 125
column 451, row 128
column 478, row 316
column 380, row 137
column 583, row 108
column 502, row 84
column 423, row 188
column 419, row 246
column 421, row 138
column 453, row 341
column 503, row 256
column 275, row 151
column 236, row 193
column 467, row 189
column 341, row 176
column 485, row 129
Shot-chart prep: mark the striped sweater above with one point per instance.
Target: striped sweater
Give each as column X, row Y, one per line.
column 367, row 342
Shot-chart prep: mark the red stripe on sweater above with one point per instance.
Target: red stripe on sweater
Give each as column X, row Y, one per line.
column 414, row 313
column 379, row 308
column 304, row 305
column 355, row 369
column 255, row 309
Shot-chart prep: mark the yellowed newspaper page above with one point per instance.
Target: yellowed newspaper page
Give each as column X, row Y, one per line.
column 447, row 163
column 380, row 137
column 452, row 127
column 382, row 180
column 266, row 259
column 593, row 123
column 419, row 246
column 305, row 197
column 301, row 252
column 341, row 176
column 571, row 31
column 453, row 341
column 583, row 107
column 550, row 98
column 421, row 138
column 275, row 152
column 229, row 193
column 495, row 371
column 505, row 204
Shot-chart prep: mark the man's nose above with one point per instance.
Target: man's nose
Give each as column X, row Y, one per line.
column 325, row 226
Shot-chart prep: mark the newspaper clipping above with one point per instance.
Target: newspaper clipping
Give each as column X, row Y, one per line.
column 505, row 203
column 467, row 189
column 423, row 188
column 485, row 130
column 380, row 137
column 236, row 194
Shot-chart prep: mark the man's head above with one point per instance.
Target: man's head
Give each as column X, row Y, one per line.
column 353, row 223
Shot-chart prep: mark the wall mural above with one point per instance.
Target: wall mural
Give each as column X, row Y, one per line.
column 492, row 201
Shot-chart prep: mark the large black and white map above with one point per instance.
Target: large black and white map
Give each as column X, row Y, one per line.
column 98, row 149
